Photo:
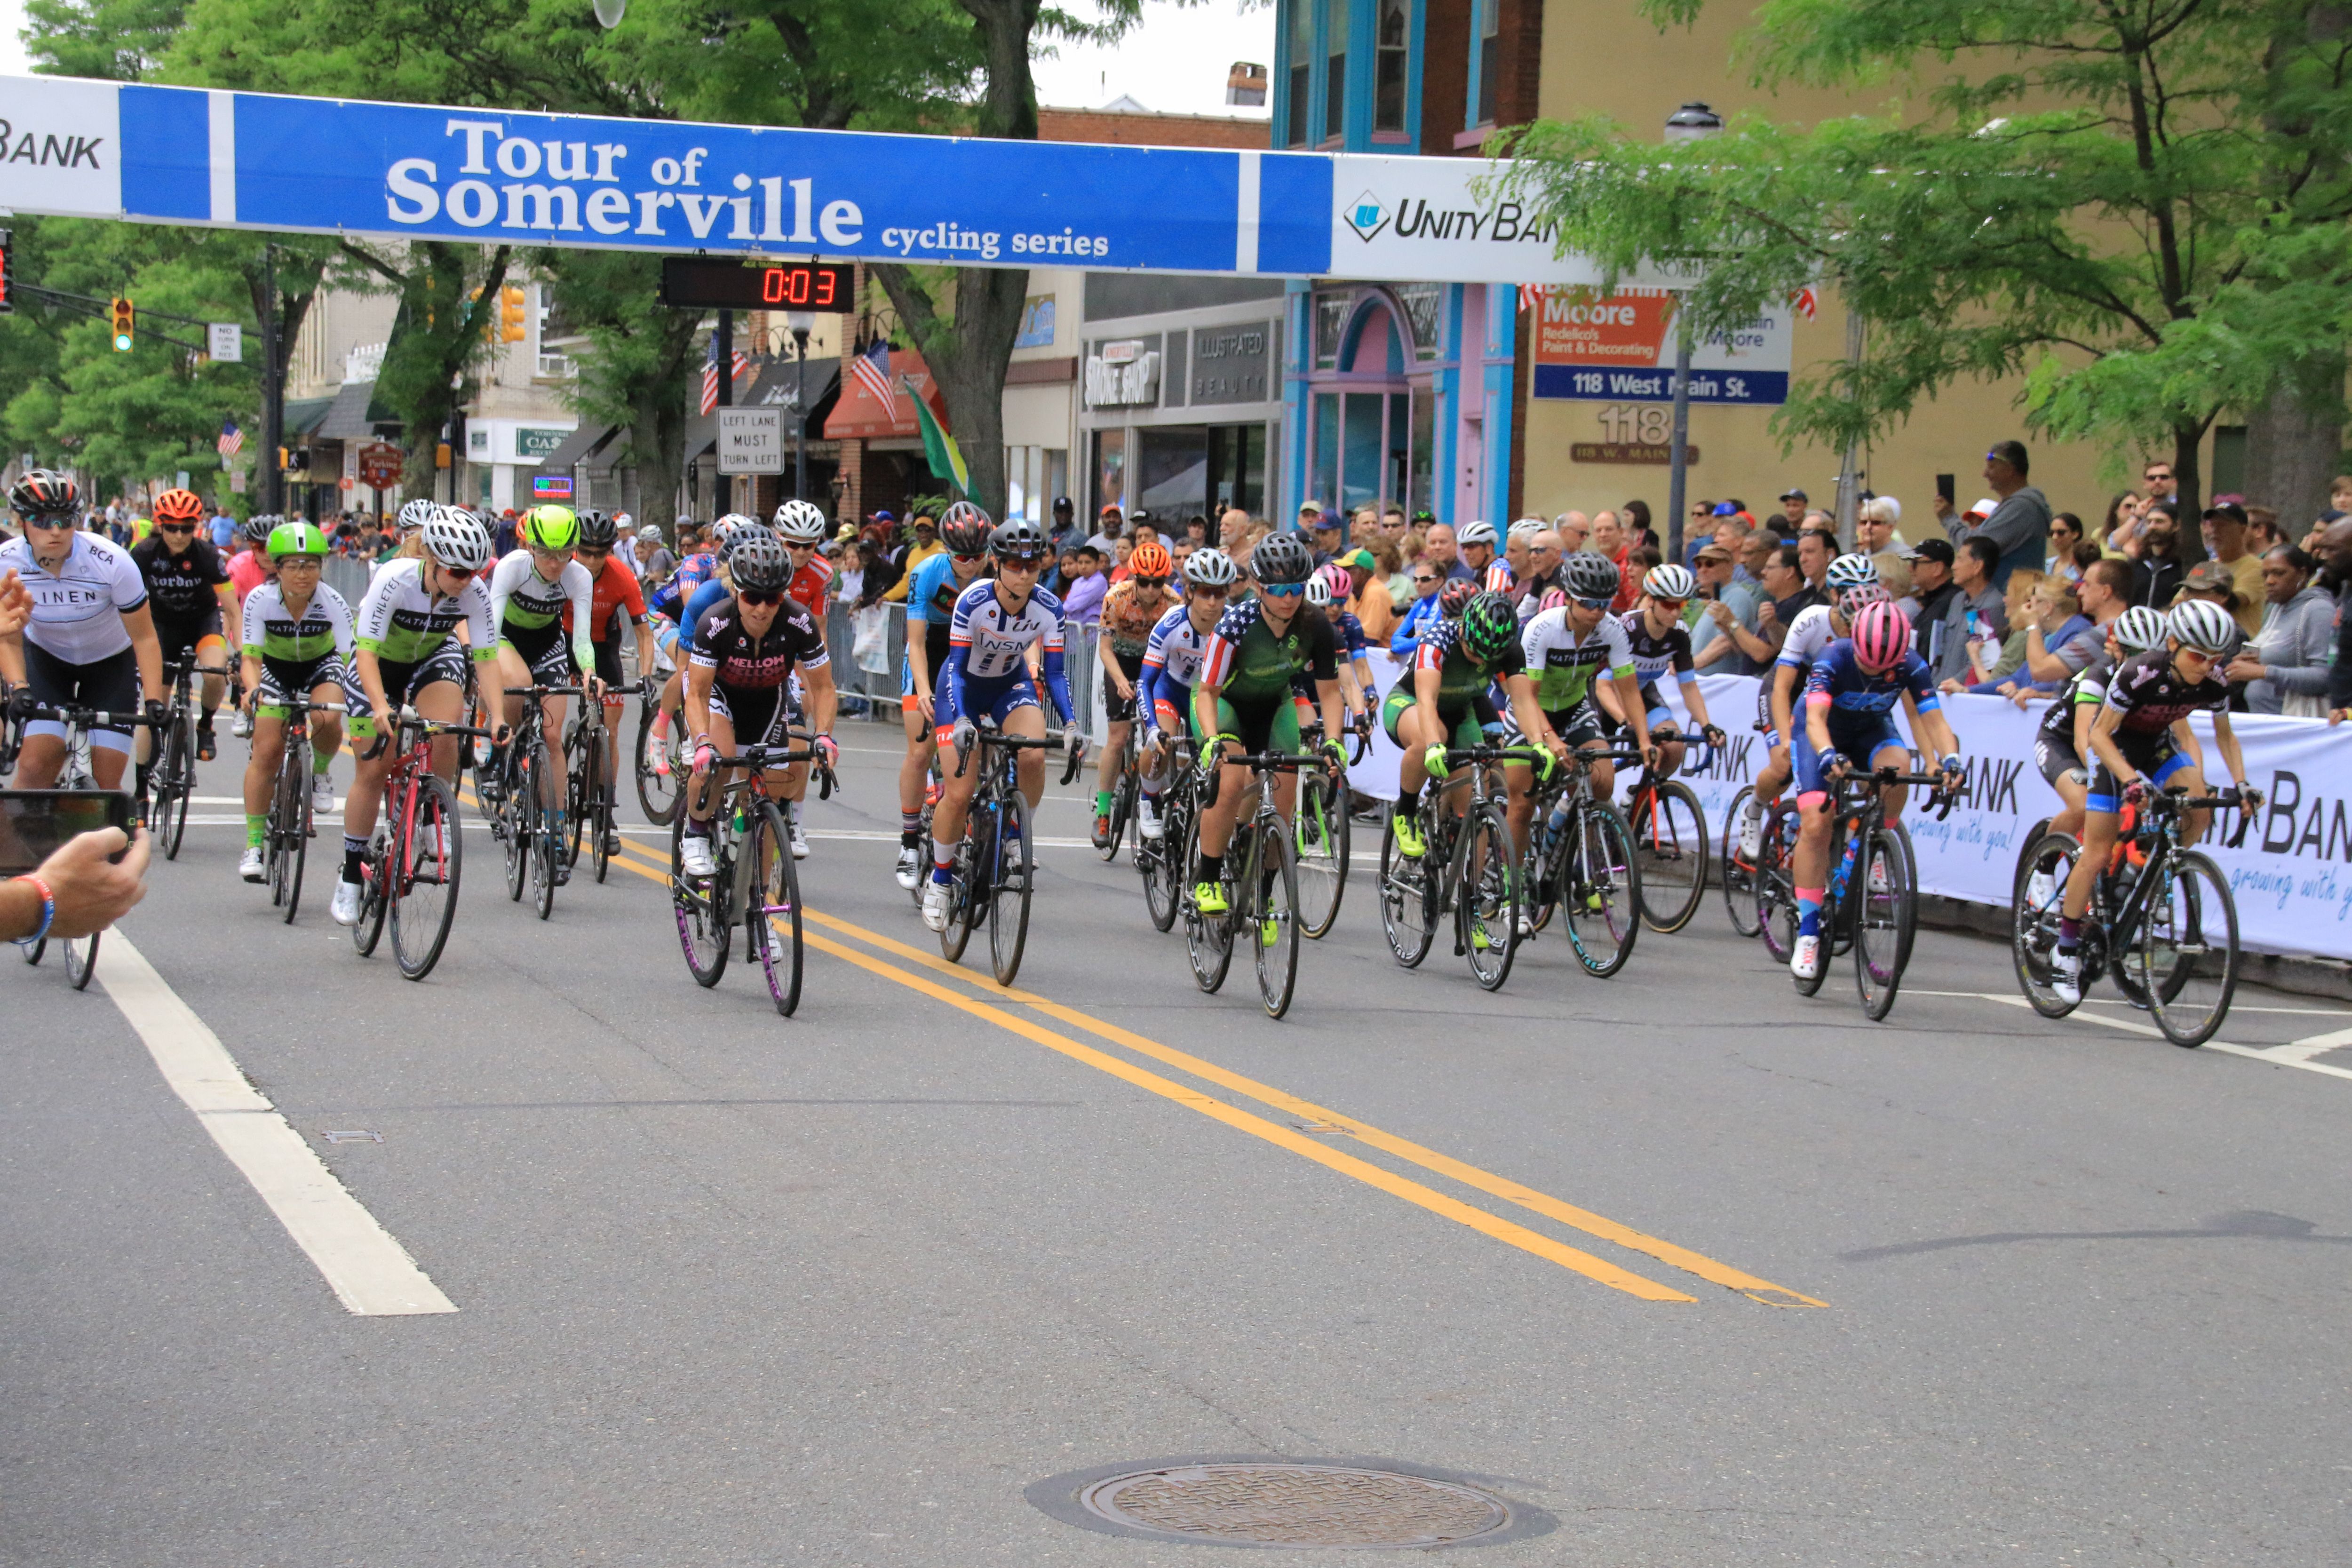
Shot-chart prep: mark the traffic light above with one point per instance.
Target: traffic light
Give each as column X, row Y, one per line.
column 125, row 320
column 7, row 273
column 510, row 315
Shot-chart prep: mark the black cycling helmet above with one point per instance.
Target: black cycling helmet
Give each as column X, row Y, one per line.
column 1592, row 576
column 1455, row 597
column 1489, row 625
column 758, row 561
column 255, row 529
column 1017, row 538
column 596, row 532
column 1280, row 558
column 966, row 536
column 44, row 492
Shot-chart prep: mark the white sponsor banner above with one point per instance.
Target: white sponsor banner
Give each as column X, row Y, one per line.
column 1442, row 219
column 60, row 145
column 2292, row 878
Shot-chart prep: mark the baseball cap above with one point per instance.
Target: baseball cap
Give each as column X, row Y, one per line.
column 1357, row 557
column 2212, row 577
column 1307, row 506
column 1794, row 495
column 1324, row 519
column 1983, row 509
column 1711, row 551
column 1725, row 509
column 1934, row 550
column 2228, row 508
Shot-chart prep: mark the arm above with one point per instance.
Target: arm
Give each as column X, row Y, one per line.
column 824, row 698
column 698, row 677
column 2042, row 662
column 148, row 648
column 1107, row 662
column 1629, row 698
column 1058, row 683
column 2226, row 739
column 1521, row 690
column 580, row 593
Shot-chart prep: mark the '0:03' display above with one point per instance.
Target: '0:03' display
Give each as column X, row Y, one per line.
column 709, row 282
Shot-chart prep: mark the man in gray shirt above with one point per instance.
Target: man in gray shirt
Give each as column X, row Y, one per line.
column 2020, row 526
column 1972, row 569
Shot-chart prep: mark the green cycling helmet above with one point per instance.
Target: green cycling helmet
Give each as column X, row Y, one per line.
column 550, row 527
column 298, row 537
column 1489, row 625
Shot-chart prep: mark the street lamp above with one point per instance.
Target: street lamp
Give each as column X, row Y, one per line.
column 801, row 322
column 1691, row 122
column 610, row 12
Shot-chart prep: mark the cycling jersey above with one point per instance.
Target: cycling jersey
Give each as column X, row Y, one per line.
column 1808, row 634
column 692, row 573
column 985, row 644
column 183, row 586
column 810, row 586
column 1130, row 615
column 714, row 591
column 276, row 635
column 2088, row 686
column 1172, row 664
column 530, row 611
column 724, row 645
column 78, row 610
column 403, row 621
column 2151, row 696
column 247, row 570
column 1462, row 676
column 1654, row 656
column 1563, row 663
column 1856, row 697
column 1350, row 630
column 614, row 588
column 1249, row 662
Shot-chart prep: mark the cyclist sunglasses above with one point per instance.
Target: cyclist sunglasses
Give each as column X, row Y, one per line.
column 764, row 596
column 40, row 521
column 1151, row 581
column 1596, row 604
column 1282, row 590
column 175, row 527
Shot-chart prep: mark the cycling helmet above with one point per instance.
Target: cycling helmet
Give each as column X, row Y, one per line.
column 299, row 537
column 1670, row 581
column 1015, row 538
column 597, row 531
column 1474, row 532
column 728, row 530
column 1150, row 560
column 1279, row 558
column 1592, row 576
column 799, row 522
column 1490, row 626
column 1335, row 577
column 966, row 536
column 2139, row 629
column 255, row 529
column 1455, row 597
column 2202, row 624
column 1851, row 571
column 760, row 562
column 458, row 540
column 415, row 514
column 1881, row 637
column 1527, row 528
column 44, row 492
column 1850, row 602
column 964, row 511
column 555, row 528
column 1210, row 569
column 1318, row 592
column 179, row 506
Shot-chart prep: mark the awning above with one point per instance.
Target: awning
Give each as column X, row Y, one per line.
column 302, row 414
column 859, row 413
column 355, row 415
column 579, row 447
column 773, row 385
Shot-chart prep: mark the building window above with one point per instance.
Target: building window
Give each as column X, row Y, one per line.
column 1423, row 304
column 1490, row 30
column 1335, row 73
column 1330, row 315
column 1392, row 41
column 1302, row 68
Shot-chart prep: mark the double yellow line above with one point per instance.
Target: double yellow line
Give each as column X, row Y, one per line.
column 1307, row 1141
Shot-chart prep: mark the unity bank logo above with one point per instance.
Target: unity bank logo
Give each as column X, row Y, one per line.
column 1366, row 216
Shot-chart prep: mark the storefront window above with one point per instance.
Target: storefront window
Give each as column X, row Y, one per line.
column 1330, row 317
column 1335, row 74
column 1302, row 68
column 1172, row 472
column 1324, row 482
column 1424, row 306
column 1490, row 65
column 1110, row 468
column 1388, row 72
column 1420, row 491
column 1361, row 459
column 1237, row 466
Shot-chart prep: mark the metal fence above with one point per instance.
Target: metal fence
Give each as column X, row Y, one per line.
column 879, row 686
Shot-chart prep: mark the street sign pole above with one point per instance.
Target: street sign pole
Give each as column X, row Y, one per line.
column 726, row 359
column 273, row 388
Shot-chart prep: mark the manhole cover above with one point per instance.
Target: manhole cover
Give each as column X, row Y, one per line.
column 1251, row 1500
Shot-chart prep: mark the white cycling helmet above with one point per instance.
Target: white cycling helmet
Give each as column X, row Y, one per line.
column 457, row 538
column 415, row 514
column 2139, row 629
column 1476, row 532
column 1851, row 571
column 1211, row 569
column 1318, row 592
column 1669, row 582
column 799, row 522
column 2202, row 624
column 1528, row 528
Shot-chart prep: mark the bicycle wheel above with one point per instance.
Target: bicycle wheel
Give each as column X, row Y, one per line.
column 1162, row 864
column 964, row 902
column 658, row 791
column 297, row 852
column 1670, row 845
column 1486, row 897
column 1122, row 807
column 513, row 821
column 546, row 836
column 1601, row 889
column 368, row 930
column 1885, row 918
column 1407, row 916
column 1208, row 938
column 2033, row 908
column 175, row 781
column 1321, row 834
column 1271, row 923
column 274, row 837
column 702, row 929
column 2189, row 948
column 81, row 958
column 1009, row 886
column 429, row 852
column 1738, row 870
column 576, row 785
column 773, row 912
column 1776, row 883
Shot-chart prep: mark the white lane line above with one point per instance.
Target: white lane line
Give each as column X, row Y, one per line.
column 2296, row 1054
column 370, row 1272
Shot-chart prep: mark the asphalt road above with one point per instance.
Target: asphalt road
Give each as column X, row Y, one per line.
column 738, row 1289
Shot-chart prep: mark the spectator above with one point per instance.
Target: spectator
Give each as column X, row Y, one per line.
column 1439, row 548
column 1932, row 586
column 1974, row 611
column 2122, row 524
column 848, row 584
column 2262, row 535
column 1793, row 504
column 1755, row 551
column 1310, row 513
column 1196, row 531
column 1573, row 527
column 2285, row 667
column 1108, row 526
column 1330, row 536
column 1699, row 529
column 1785, row 598
column 1063, row 572
column 1544, row 572
column 85, row 890
column 223, row 530
column 2212, row 582
column 1066, row 515
column 2157, row 479
column 1816, row 548
column 1873, row 530
column 2021, row 603
column 1728, row 607
column 655, row 563
column 2334, row 552
column 1427, row 579
column 1082, row 606
column 2018, row 523
column 1607, row 538
column 1389, row 571
column 2158, row 570
column 2225, row 542
column 1368, row 595
column 502, row 537
column 1519, row 543
column 2054, row 652
column 2066, row 532
column 1636, row 520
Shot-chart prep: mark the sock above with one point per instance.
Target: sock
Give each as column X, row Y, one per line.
column 1102, row 803
column 354, row 854
column 204, row 720
column 697, row 830
column 1809, row 911
column 2070, row 934
column 911, row 828
column 321, row 761
column 1212, row 867
column 257, row 829
column 661, row 724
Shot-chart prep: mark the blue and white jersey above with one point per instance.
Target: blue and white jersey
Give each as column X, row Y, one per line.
column 1808, row 634
column 1176, row 649
column 78, row 611
column 1852, row 692
column 992, row 639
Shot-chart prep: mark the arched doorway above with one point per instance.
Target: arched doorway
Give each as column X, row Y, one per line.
column 1374, row 413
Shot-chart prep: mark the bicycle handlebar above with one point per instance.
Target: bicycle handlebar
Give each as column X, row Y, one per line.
column 1457, row 755
column 92, row 718
column 543, row 690
column 1858, row 780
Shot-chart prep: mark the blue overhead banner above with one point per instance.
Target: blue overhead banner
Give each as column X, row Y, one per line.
column 192, row 156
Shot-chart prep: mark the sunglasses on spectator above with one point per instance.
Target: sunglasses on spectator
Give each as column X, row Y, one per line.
column 765, row 597
column 1419, row 578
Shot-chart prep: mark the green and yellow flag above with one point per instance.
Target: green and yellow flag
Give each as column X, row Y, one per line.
column 938, row 447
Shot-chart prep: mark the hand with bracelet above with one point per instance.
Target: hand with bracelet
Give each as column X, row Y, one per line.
column 76, row 890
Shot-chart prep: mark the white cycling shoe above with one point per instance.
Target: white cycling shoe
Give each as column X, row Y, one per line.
column 323, row 796
column 2066, row 974
column 2039, row 888
column 1751, row 829
column 1147, row 818
column 799, row 838
column 935, row 906
column 1805, row 962
column 694, row 856
column 242, row 725
column 251, row 866
column 346, row 907
column 910, row 866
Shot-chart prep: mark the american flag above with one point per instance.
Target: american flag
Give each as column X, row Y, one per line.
column 872, row 370
column 710, row 374
column 1808, row 303
column 232, row 439
column 1531, row 296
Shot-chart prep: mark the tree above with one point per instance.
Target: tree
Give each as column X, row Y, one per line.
column 2093, row 194
column 638, row 373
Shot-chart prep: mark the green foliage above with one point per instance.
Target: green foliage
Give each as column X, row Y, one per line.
column 2140, row 209
column 119, row 40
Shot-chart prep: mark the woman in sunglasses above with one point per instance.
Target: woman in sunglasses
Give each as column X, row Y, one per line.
column 1132, row 607
column 534, row 591
column 931, row 599
column 407, row 653
column 188, row 590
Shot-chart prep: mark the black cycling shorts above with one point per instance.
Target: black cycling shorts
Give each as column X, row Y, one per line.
column 1578, row 724
column 1117, row 709
column 180, row 634
column 546, row 652
column 760, row 715
column 110, row 685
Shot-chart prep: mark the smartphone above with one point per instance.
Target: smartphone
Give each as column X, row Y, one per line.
column 1944, row 488
column 36, row 823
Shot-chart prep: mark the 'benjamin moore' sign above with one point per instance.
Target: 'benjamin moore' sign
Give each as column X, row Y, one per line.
column 244, row 160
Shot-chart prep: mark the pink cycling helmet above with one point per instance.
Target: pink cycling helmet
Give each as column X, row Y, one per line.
column 1881, row 637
